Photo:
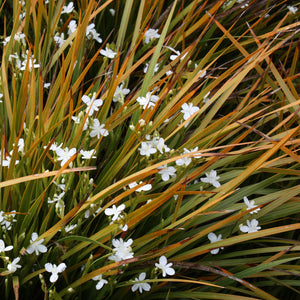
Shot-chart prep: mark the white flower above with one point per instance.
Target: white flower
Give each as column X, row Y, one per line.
column 61, row 185
column 150, row 35
column 54, row 146
column 6, row 220
column 120, row 93
column 141, row 285
column 6, row 159
column 92, row 103
column 22, row 15
column 87, row 154
column 177, row 53
column 19, row 37
column 67, row 9
column 56, row 198
column 47, row 85
column 148, row 101
column 55, row 270
column 6, row 40
column 72, row 27
column 196, row 155
column 251, row 204
column 80, row 118
column 101, row 282
column 13, row 266
column 69, row 228
column 36, row 246
column 185, row 161
column 147, row 149
column 31, row 64
column 112, row 11
column 250, row 227
column 188, row 110
column 20, row 145
column 165, row 266
column 91, row 211
column 146, row 187
column 3, row 248
column 59, row 39
column 108, row 53
column 214, row 238
column 91, row 33
column 156, row 67
column 159, row 144
column 212, row 178
column 124, row 228
column 98, row 129
column 64, row 154
column 122, row 250
column 173, row 57
column 166, row 172
column 115, row 211
column 292, row 9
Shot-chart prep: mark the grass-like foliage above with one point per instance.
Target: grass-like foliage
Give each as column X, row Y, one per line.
column 149, row 150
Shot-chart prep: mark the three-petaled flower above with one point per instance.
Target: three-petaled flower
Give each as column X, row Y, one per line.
column 13, row 266
column 98, row 129
column 251, row 204
column 108, row 53
column 55, row 270
column 36, row 246
column 147, row 149
column 114, row 211
column 141, row 285
column 148, row 101
column 87, row 154
column 165, row 266
column 150, row 35
column 64, row 154
column 252, row 226
column 166, row 172
column 93, row 104
column 188, row 110
column 212, row 178
column 120, row 92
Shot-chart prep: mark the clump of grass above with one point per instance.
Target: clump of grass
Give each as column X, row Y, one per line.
column 149, row 148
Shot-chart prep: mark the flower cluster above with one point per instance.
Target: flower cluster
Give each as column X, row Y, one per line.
column 7, row 220
column 122, row 250
column 148, row 101
column 252, row 225
column 5, row 158
column 151, row 146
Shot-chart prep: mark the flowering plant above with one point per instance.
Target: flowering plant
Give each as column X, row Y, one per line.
column 149, row 149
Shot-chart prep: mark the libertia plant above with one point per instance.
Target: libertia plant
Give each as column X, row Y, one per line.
column 149, row 149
